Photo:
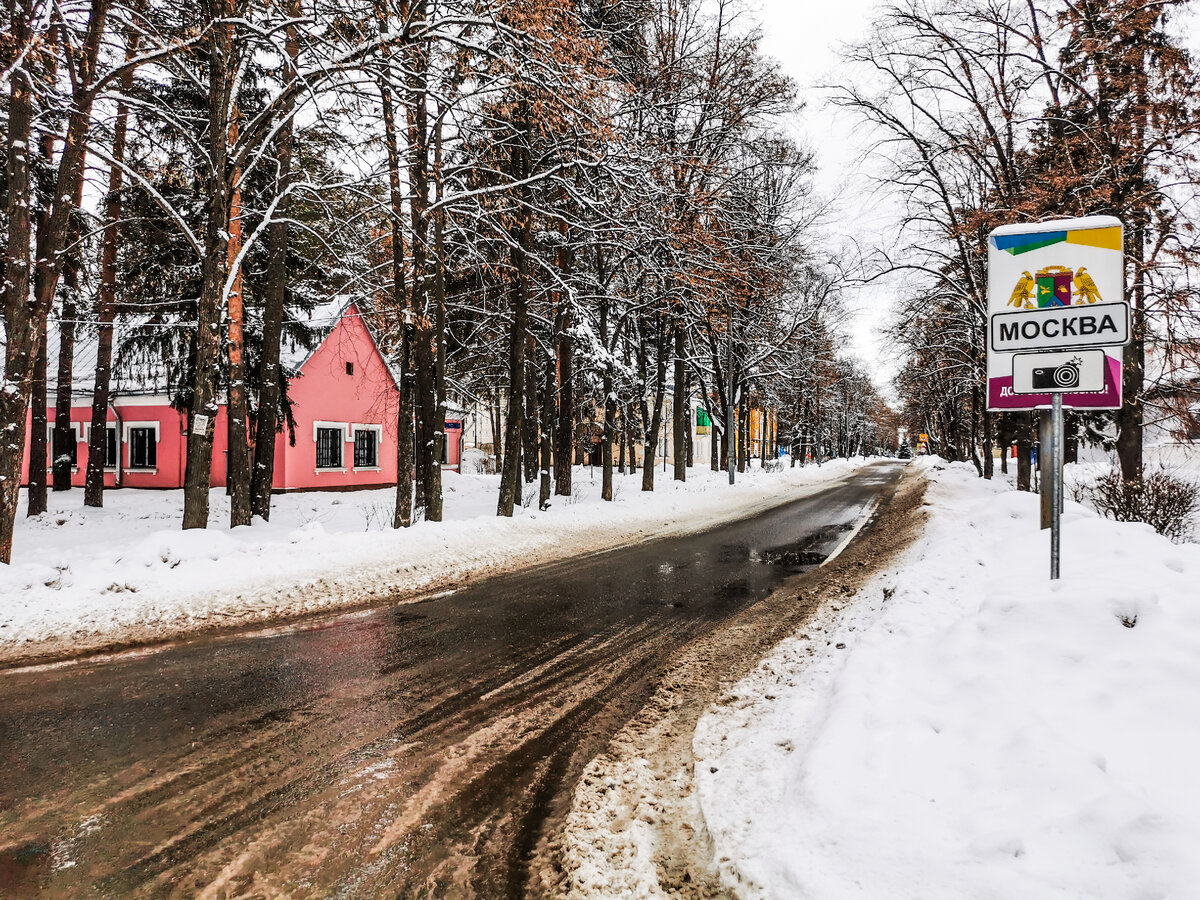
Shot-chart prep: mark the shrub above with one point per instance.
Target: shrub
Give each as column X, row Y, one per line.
column 1164, row 501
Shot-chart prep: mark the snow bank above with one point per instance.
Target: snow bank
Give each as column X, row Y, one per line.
column 91, row 575
column 984, row 733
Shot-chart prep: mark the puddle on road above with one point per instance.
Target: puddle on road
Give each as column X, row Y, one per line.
column 804, row 554
column 791, row 556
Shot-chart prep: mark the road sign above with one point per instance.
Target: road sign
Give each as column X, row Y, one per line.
column 1055, row 286
column 922, row 438
column 1072, row 371
column 1102, row 325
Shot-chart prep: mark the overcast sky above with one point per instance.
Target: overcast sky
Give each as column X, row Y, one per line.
column 805, row 36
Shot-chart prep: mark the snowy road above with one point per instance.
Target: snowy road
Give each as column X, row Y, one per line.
column 423, row 749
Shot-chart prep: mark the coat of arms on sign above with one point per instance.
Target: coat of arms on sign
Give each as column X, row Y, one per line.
column 1054, row 286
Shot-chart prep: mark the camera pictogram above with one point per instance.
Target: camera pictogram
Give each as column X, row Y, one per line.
column 1057, row 378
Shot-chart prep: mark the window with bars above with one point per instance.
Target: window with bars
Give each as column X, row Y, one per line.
column 143, row 448
column 70, row 448
column 366, row 448
column 329, row 448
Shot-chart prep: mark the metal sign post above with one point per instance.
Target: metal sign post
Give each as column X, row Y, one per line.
column 1056, row 483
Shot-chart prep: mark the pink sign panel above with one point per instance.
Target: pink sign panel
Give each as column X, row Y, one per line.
column 1001, row 396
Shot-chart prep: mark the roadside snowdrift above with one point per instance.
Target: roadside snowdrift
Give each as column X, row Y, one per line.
column 86, row 578
column 982, row 732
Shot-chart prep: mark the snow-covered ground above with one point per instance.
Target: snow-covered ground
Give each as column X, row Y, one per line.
column 88, row 577
column 969, row 729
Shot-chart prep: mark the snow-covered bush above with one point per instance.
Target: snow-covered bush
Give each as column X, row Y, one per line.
column 475, row 462
column 1161, row 499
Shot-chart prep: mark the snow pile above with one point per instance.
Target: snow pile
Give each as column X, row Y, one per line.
column 983, row 733
column 127, row 571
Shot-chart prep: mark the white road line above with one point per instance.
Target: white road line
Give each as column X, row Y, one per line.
column 848, row 538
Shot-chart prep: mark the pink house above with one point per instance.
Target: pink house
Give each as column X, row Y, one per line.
column 344, row 399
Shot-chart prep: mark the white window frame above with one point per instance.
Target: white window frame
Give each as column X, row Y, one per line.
column 126, row 428
column 378, row 429
column 87, row 439
column 77, row 428
column 347, row 436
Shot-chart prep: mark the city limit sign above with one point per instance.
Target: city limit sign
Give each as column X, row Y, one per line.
column 1053, row 287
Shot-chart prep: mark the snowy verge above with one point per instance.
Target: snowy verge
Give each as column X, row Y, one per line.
column 85, row 578
column 968, row 729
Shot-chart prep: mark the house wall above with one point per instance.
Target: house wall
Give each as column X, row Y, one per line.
column 150, row 411
column 324, row 392
column 81, row 417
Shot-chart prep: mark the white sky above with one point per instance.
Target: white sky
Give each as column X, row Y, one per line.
column 805, row 37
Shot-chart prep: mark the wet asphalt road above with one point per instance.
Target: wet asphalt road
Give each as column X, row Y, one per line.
column 414, row 750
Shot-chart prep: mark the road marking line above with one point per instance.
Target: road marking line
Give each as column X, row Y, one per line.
column 854, row 533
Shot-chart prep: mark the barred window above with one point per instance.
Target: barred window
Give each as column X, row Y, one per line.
column 329, row 448
column 69, row 449
column 366, row 448
column 143, row 448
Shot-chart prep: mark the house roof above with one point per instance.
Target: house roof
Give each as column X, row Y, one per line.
column 143, row 373
column 322, row 318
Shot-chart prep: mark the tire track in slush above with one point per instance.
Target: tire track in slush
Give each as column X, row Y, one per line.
column 420, row 750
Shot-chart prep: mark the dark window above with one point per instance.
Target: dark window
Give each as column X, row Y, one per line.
column 71, row 449
column 349, row 368
column 143, row 448
column 366, row 449
column 110, row 448
column 329, row 448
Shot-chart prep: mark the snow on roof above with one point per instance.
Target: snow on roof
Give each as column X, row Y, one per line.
column 322, row 318
column 139, row 376
column 143, row 374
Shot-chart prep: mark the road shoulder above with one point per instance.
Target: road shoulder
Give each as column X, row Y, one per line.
column 636, row 827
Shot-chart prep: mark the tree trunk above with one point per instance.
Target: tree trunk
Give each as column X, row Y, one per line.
column 532, row 425
column 510, row 475
column 566, row 397
column 679, row 410
column 204, row 407
column 1024, row 446
column 743, row 434
column 39, row 422
column 65, row 445
column 61, row 463
column 266, row 425
column 1129, row 416
column 433, row 500
column 26, row 323
column 989, row 464
column 237, row 456
column 497, row 428
column 549, row 384
column 660, row 391
column 21, row 348
column 610, row 411
column 106, row 305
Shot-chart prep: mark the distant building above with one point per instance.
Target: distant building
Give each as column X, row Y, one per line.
column 344, row 402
